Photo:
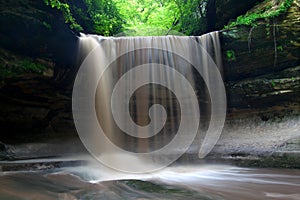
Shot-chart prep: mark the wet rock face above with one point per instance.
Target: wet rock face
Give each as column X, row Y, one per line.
column 4, row 152
column 250, row 52
column 34, row 108
column 274, row 90
column 2, row 155
column 261, row 64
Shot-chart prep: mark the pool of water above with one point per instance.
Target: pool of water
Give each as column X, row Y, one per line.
column 175, row 183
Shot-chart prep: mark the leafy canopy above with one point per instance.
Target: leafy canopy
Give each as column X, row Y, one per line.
column 137, row 17
column 92, row 16
column 186, row 16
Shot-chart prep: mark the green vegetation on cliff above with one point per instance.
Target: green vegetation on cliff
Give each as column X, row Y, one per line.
column 12, row 65
column 21, row 67
column 269, row 9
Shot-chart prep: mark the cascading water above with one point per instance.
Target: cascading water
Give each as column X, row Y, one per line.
column 138, row 99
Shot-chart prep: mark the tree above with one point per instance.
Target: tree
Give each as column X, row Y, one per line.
column 91, row 16
column 143, row 15
column 139, row 17
column 192, row 17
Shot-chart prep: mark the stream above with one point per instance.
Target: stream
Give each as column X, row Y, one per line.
column 205, row 181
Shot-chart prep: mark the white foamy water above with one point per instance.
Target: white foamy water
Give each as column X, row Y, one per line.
column 198, row 181
column 220, row 181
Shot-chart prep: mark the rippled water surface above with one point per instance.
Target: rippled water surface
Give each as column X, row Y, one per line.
column 188, row 182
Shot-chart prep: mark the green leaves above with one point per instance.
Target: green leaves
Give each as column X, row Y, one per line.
column 104, row 17
column 21, row 67
column 65, row 9
column 109, row 17
column 92, row 16
column 143, row 14
column 230, row 54
column 186, row 16
column 251, row 19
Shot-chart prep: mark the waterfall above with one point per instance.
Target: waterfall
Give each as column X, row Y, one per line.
column 138, row 101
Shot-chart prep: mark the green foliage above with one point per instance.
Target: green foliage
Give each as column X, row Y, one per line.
column 92, row 16
column 65, row 9
column 185, row 16
column 279, row 48
column 192, row 19
column 144, row 15
column 273, row 83
column 99, row 16
column 230, row 55
column 109, row 17
column 21, row 67
column 250, row 19
column 29, row 66
column 48, row 26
